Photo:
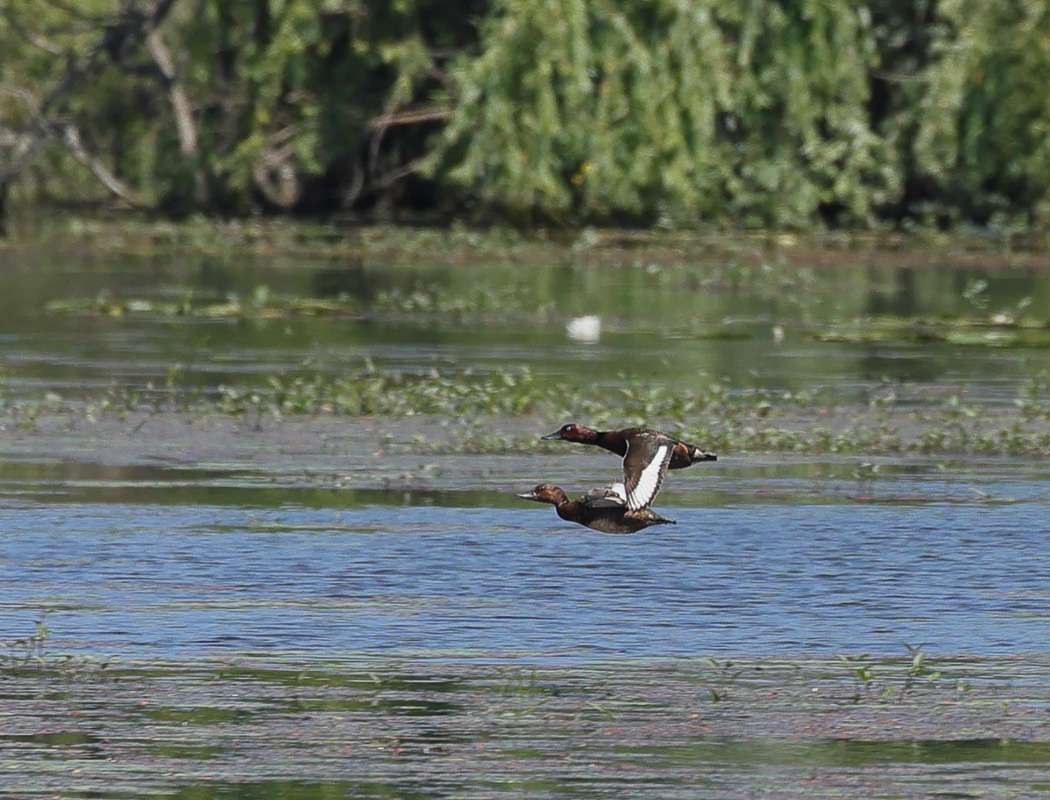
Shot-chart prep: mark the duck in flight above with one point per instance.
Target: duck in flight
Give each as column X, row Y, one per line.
column 647, row 455
column 600, row 509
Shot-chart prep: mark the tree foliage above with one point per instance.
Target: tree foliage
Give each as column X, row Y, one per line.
column 220, row 106
column 688, row 112
column 983, row 138
column 781, row 113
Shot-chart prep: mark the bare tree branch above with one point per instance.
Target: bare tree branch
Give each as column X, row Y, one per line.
column 120, row 37
column 29, row 36
column 27, row 147
column 392, row 177
column 180, row 104
column 411, row 116
column 106, row 178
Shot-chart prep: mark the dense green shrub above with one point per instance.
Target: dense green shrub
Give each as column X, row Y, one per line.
column 678, row 112
column 772, row 113
column 291, row 103
column 983, row 140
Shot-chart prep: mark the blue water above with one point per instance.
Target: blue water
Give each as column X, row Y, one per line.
column 747, row 579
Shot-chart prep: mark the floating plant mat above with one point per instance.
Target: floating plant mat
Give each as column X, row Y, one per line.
column 993, row 332
column 483, row 304
column 910, row 725
column 262, row 304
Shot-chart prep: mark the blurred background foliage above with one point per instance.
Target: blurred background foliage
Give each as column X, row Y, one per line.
column 787, row 114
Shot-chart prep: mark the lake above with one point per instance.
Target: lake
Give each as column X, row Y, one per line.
column 173, row 542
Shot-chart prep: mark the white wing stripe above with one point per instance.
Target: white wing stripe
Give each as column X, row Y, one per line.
column 648, row 481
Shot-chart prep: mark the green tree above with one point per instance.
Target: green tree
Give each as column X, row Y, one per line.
column 771, row 113
column 224, row 106
column 679, row 112
column 983, row 132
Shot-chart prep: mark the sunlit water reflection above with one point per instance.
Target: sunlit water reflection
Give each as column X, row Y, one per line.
column 191, row 552
column 662, row 323
column 750, row 579
column 125, row 561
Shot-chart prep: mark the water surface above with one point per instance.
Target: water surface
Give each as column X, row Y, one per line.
column 785, row 566
column 281, row 609
column 741, row 318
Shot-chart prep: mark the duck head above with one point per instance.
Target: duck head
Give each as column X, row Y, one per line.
column 546, row 493
column 574, row 433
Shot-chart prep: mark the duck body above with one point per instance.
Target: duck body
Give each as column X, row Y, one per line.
column 602, row 510
column 683, row 454
column 647, row 455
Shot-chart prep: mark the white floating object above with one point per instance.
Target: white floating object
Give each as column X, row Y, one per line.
column 586, row 329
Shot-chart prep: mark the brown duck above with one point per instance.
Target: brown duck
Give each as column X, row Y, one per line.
column 600, row 509
column 647, row 455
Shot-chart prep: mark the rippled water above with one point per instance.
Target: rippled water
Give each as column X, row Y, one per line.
column 959, row 576
column 296, row 617
column 124, row 558
column 711, row 317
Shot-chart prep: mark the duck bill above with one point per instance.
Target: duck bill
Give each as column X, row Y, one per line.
column 555, row 435
column 528, row 496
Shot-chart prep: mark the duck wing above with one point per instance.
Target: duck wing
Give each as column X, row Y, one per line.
column 649, row 517
column 644, row 467
column 612, row 497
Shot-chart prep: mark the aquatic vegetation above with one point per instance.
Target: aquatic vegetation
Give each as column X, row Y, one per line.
column 999, row 330
column 726, row 674
column 369, row 391
column 721, row 413
column 722, row 417
column 503, row 297
column 199, row 721
column 918, row 668
column 892, row 678
column 32, row 646
column 261, row 305
column 1033, row 398
column 862, row 672
column 30, row 655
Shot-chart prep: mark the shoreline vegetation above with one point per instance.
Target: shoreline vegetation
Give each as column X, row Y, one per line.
column 953, row 430
column 823, row 114
column 886, row 418
column 473, row 726
column 455, row 242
